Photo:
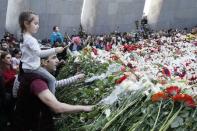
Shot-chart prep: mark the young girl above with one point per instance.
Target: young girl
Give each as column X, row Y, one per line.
column 30, row 49
column 16, row 58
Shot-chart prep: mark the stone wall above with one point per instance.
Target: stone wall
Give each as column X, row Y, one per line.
column 118, row 15
column 3, row 9
column 175, row 14
column 99, row 16
column 64, row 13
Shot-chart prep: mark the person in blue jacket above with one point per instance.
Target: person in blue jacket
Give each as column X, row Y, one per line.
column 56, row 37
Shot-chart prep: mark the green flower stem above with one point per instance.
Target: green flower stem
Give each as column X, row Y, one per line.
column 193, row 85
column 167, row 118
column 136, row 125
column 133, row 112
column 129, row 115
column 116, row 116
column 157, row 116
column 194, row 113
column 172, row 118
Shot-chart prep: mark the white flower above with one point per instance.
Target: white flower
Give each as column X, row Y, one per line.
column 134, row 87
column 77, row 60
column 156, row 88
column 107, row 112
column 96, row 89
column 93, row 55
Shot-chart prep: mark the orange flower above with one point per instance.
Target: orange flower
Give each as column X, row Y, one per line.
column 179, row 97
column 187, row 99
column 159, row 96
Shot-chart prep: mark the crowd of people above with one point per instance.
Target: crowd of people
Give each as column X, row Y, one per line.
column 31, row 82
column 28, row 84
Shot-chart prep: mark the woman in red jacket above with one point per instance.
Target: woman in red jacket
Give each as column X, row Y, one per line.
column 8, row 74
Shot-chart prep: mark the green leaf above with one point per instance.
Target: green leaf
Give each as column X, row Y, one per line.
column 185, row 114
column 177, row 122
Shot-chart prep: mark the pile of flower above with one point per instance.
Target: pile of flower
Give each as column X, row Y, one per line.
column 161, row 111
column 135, row 87
column 86, row 93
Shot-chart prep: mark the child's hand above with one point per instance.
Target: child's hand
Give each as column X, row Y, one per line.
column 67, row 45
column 89, row 37
column 59, row 49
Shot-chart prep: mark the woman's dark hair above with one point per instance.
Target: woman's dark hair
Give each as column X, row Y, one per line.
column 54, row 27
column 25, row 16
column 3, row 55
column 15, row 51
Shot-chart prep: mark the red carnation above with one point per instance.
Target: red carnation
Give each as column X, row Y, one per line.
column 182, row 74
column 130, row 65
column 115, row 58
column 108, row 47
column 166, row 71
column 130, row 48
column 190, row 103
column 173, row 90
column 121, row 79
column 95, row 51
column 123, row 68
column 195, row 43
column 193, row 78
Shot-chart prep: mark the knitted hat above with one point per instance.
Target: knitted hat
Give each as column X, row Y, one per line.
column 76, row 40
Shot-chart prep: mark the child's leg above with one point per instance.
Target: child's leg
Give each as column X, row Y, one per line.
column 50, row 78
